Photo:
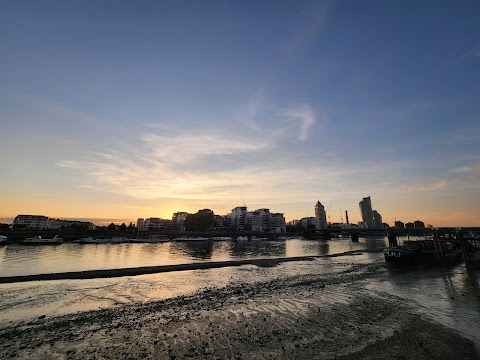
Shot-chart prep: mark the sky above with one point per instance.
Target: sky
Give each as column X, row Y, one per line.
column 114, row 110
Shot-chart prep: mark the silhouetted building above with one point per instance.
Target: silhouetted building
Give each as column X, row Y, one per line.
column 31, row 221
column 221, row 222
column 409, row 225
column 419, row 224
column 377, row 220
column 399, row 224
column 44, row 222
column 320, row 216
column 265, row 221
column 156, row 224
column 308, row 222
column 179, row 218
column 238, row 217
column 367, row 212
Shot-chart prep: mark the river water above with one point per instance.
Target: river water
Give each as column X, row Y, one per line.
column 448, row 296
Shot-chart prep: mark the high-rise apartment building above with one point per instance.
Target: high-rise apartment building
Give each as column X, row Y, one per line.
column 367, row 212
column 320, row 215
column 238, row 217
column 265, row 221
column 377, row 219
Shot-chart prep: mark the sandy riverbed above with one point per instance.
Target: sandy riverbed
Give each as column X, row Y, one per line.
column 299, row 317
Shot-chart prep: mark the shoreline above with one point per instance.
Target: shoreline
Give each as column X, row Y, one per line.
column 301, row 316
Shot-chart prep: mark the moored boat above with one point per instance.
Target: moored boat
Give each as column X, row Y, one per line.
column 152, row 239
column 192, row 238
column 38, row 240
column 90, row 240
column 221, row 238
column 242, row 238
column 422, row 253
column 3, row 240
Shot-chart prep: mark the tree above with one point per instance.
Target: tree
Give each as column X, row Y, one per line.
column 111, row 227
column 123, row 227
column 200, row 221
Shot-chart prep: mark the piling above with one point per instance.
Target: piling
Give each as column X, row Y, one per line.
column 463, row 247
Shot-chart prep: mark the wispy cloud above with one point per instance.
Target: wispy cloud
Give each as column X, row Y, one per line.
column 185, row 147
column 438, row 185
column 278, row 122
column 303, row 117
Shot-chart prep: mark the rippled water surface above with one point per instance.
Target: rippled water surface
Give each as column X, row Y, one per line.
column 27, row 260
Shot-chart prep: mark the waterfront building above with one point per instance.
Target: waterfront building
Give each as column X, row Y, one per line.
column 179, row 219
column 61, row 224
column 419, row 224
column 320, row 215
column 367, row 212
column 308, row 222
column 361, row 225
column 221, row 222
column 40, row 222
column 277, row 223
column 156, row 224
column 377, row 220
column 265, row 221
column 238, row 217
column 399, row 224
column 141, row 224
column 253, row 220
column 31, row 222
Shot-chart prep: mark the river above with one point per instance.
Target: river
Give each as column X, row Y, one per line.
column 449, row 296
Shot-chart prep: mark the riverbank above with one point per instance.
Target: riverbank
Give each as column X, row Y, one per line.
column 301, row 316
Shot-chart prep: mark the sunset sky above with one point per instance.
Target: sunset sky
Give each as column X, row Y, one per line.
column 113, row 110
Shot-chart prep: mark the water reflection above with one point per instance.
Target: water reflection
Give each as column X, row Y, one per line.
column 251, row 249
column 25, row 260
column 201, row 250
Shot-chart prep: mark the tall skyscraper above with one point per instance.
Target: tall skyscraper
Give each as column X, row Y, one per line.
column 377, row 220
column 320, row 215
column 367, row 212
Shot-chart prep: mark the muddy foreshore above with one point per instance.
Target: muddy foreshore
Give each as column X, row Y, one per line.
column 299, row 317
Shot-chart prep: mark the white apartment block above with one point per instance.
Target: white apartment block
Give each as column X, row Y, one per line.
column 31, row 221
column 44, row 222
column 152, row 224
column 238, row 217
column 265, row 221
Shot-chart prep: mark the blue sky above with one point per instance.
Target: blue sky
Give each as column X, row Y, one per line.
column 122, row 109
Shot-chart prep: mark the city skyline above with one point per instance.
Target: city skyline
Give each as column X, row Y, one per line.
column 115, row 111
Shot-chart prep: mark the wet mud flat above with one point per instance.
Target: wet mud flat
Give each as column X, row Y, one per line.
column 297, row 317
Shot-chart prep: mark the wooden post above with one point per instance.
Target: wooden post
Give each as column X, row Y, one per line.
column 437, row 247
column 463, row 246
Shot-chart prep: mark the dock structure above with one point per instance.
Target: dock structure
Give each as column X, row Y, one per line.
column 459, row 240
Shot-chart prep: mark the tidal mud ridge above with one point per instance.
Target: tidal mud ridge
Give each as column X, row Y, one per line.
column 296, row 317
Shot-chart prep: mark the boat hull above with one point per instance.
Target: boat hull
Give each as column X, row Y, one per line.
column 39, row 242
